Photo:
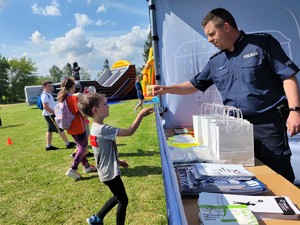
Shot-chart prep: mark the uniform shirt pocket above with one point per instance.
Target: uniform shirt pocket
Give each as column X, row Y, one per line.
column 252, row 71
column 221, row 78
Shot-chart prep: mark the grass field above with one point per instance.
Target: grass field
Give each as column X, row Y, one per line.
column 35, row 190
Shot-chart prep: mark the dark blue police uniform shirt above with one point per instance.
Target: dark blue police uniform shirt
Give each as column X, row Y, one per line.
column 251, row 77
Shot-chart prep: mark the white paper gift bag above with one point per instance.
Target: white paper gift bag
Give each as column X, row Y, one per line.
column 197, row 124
column 209, row 113
column 232, row 140
column 227, row 135
column 197, row 129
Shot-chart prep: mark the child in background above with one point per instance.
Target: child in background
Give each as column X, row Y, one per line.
column 139, row 93
column 85, row 90
column 48, row 114
column 87, row 129
column 103, row 141
column 77, row 129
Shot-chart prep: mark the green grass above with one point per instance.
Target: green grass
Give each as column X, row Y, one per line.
column 35, row 190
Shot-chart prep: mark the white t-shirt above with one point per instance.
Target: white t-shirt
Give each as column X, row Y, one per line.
column 47, row 97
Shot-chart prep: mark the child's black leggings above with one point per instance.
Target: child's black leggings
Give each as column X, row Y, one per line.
column 120, row 197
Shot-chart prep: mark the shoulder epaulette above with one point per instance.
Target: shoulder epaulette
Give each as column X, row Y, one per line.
column 266, row 35
column 214, row 55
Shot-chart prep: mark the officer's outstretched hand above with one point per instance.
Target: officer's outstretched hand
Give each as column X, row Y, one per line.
column 158, row 90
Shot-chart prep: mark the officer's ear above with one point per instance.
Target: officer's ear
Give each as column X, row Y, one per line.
column 227, row 27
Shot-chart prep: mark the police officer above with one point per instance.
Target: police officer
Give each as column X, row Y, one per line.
column 252, row 73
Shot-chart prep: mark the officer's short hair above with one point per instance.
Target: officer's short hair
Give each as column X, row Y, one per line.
column 219, row 17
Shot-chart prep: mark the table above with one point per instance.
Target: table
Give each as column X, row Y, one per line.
column 275, row 182
column 184, row 210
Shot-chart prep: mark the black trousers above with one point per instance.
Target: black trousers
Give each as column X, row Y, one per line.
column 271, row 141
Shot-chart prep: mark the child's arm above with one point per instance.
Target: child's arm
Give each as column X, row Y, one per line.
column 123, row 163
column 130, row 131
column 47, row 108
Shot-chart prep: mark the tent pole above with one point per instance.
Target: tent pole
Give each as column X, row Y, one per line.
column 153, row 27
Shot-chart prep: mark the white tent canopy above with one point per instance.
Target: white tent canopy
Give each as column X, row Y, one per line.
column 181, row 50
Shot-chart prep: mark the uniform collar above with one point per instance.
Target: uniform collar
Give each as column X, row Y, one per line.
column 239, row 40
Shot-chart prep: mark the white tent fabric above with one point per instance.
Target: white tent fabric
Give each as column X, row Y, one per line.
column 183, row 49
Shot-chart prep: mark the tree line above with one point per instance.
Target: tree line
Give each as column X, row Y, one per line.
column 16, row 73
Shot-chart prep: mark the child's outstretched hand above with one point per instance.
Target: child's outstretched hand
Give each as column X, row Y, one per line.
column 146, row 111
column 123, row 163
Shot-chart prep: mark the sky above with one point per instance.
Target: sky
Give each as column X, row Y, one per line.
column 57, row 32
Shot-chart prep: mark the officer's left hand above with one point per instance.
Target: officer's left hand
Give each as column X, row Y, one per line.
column 293, row 123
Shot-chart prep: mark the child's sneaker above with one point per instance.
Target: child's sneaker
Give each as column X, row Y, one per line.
column 51, row 147
column 90, row 169
column 89, row 154
column 71, row 145
column 94, row 220
column 73, row 173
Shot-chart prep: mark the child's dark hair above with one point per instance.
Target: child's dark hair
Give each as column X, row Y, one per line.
column 65, row 85
column 44, row 84
column 88, row 101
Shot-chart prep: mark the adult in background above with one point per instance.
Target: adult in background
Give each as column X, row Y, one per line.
column 48, row 113
column 252, row 73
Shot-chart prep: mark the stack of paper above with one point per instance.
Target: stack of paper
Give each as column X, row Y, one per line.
column 222, row 171
column 183, row 130
column 263, row 207
column 194, row 179
column 182, row 141
column 229, row 215
column 184, row 149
